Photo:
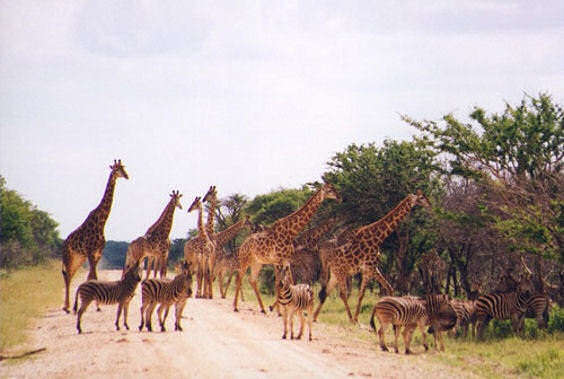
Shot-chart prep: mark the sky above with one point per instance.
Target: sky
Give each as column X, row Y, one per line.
column 249, row 96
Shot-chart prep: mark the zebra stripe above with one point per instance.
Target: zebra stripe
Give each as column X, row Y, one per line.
column 465, row 315
column 120, row 292
column 295, row 298
column 502, row 306
column 537, row 307
column 166, row 292
column 409, row 312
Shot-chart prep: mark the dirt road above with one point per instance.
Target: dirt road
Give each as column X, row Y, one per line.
column 216, row 342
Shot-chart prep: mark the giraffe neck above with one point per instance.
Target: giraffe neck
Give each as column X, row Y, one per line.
column 382, row 228
column 228, row 234
column 291, row 225
column 310, row 237
column 202, row 233
column 102, row 211
column 211, row 214
column 163, row 225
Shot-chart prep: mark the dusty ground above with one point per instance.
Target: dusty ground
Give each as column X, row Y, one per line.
column 216, row 342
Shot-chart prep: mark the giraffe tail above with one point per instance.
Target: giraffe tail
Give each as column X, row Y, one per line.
column 323, row 293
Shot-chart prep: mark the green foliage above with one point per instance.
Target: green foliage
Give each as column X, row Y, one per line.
column 176, row 253
column 113, row 256
column 514, row 161
column 29, row 235
column 556, row 319
column 372, row 181
column 269, row 208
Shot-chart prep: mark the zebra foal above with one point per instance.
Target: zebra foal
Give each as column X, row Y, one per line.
column 120, row 292
column 294, row 298
column 166, row 292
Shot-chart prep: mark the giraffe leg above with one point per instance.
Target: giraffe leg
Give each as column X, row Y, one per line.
column 343, row 294
column 323, row 293
column 380, row 278
column 365, row 279
column 71, row 263
column 255, row 269
column 92, row 262
column 238, row 281
column 148, row 264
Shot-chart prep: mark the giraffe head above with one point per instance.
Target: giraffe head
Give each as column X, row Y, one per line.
column 329, row 192
column 175, row 197
column 419, row 198
column 210, row 196
column 118, row 170
column 196, row 205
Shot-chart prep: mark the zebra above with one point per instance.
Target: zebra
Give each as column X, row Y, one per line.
column 166, row 292
column 411, row 313
column 442, row 316
column 502, row 306
column 465, row 315
column 120, row 292
column 537, row 307
column 294, row 298
column 406, row 311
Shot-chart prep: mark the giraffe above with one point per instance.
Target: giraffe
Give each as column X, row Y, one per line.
column 432, row 270
column 155, row 244
column 227, row 262
column 210, row 258
column 305, row 264
column 88, row 241
column 274, row 245
column 360, row 253
column 196, row 249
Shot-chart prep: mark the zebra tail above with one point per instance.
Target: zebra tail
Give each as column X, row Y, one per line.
column 372, row 325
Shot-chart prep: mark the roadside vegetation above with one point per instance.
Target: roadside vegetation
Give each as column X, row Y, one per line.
column 24, row 295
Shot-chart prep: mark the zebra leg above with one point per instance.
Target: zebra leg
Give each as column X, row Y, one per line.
column 302, row 323
column 482, row 324
column 179, row 308
column 381, row 335
column 82, row 309
column 310, row 319
column 164, row 318
column 149, row 316
column 120, row 307
column 285, row 322
column 396, row 335
column 407, row 335
column 125, row 310
column 143, row 308
column 159, row 314
column 291, row 316
column 424, row 334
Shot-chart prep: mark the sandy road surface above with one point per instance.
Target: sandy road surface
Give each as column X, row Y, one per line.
column 215, row 343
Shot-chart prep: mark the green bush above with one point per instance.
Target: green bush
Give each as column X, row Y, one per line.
column 556, row 319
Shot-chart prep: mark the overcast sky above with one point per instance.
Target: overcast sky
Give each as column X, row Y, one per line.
column 249, row 96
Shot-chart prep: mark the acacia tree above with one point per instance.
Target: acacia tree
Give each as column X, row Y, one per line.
column 515, row 159
column 372, row 181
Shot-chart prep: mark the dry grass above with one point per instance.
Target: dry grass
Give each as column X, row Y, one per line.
column 24, row 295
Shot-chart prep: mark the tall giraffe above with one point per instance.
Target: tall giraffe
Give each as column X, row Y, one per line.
column 275, row 244
column 155, row 244
column 88, row 241
column 210, row 259
column 197, row 249
column 360, row 253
